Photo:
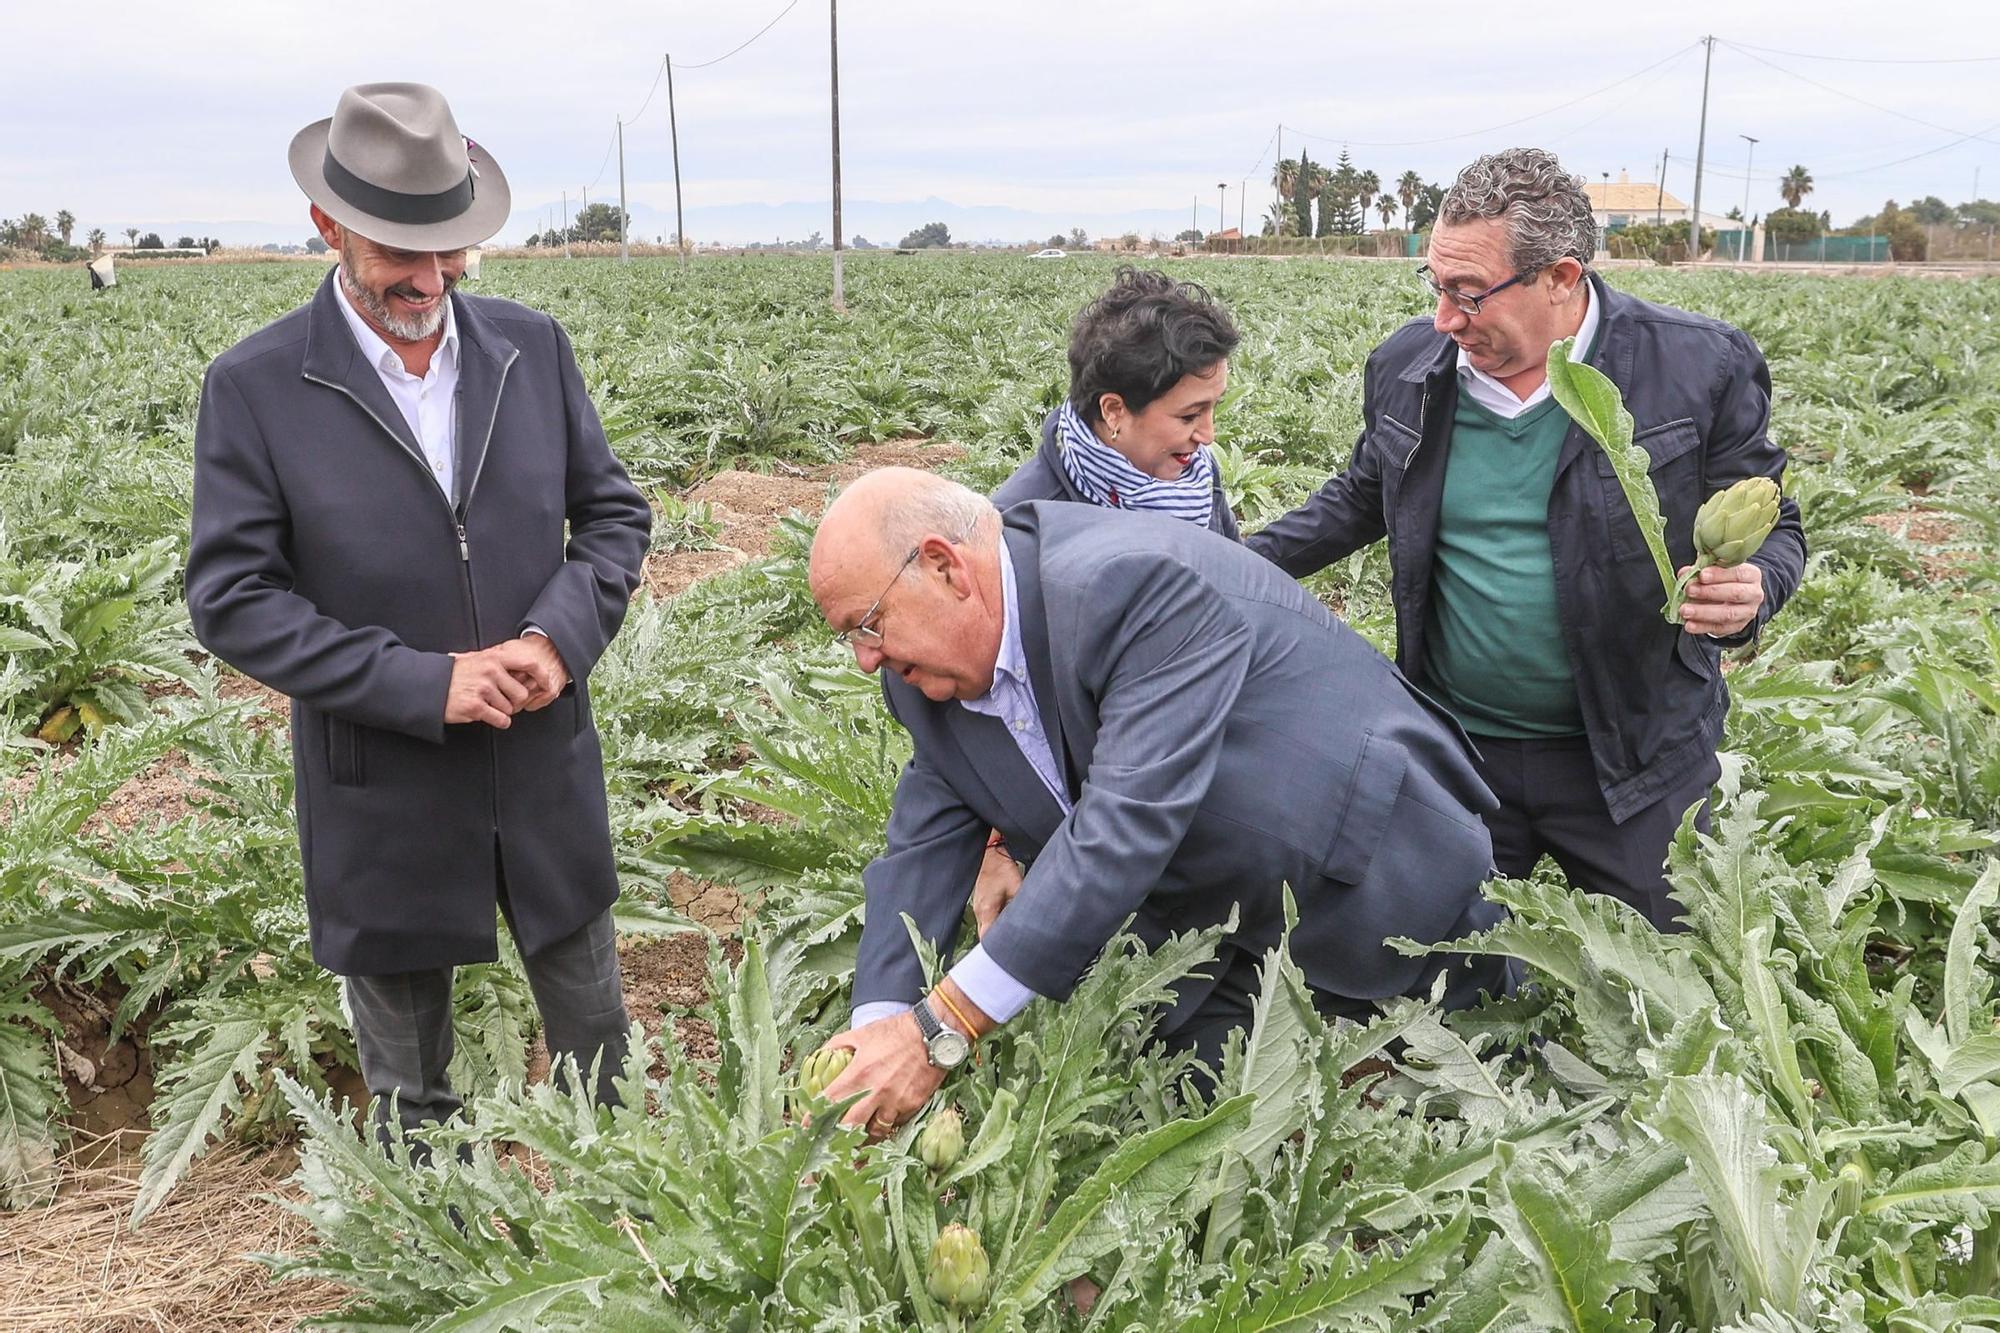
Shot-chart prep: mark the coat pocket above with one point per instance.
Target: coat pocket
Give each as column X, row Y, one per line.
column 1673, row 465
column 343, row 752
column 1372, row 790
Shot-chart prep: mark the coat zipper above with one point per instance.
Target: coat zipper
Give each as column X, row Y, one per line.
column 456, row 513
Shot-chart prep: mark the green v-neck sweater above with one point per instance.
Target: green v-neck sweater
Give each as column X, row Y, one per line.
column 1495, row 653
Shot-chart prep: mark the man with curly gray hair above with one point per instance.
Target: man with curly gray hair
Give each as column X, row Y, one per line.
column 1526, row 599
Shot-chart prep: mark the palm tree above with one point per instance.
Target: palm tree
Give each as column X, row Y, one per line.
column 1795, row 185
column 65, row 224
column 1386, row 206
column 1285, row 177
column 132, row 236
column 96, row 240
column 1409, row 189
column 34, row 230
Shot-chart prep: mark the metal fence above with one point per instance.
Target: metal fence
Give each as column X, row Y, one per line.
column 1730, row 243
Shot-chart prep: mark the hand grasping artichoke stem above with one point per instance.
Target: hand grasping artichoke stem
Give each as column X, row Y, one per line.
column 1728, row 529
column 1721, row 591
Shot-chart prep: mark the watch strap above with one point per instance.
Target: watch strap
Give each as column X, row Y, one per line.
column 927, row 1022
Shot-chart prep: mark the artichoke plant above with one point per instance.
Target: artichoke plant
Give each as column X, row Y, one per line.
column 1728, row 529
column 818, row 1070
column 942, row 1140
column 959, row 1269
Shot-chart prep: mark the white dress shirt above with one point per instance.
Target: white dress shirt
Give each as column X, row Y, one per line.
column 428, row 402
column 1496, row 397
column 1011, row 698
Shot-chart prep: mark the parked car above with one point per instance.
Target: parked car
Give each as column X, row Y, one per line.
column 1049, row 254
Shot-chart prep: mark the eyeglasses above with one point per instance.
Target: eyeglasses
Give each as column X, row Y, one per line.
column 1467, row 302
column 863, row 632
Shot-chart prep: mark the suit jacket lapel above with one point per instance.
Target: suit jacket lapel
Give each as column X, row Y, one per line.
column 334, row 359
column 994, row 759
column 1024, row 544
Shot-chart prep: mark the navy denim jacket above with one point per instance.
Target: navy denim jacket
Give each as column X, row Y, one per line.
column 1652, row 695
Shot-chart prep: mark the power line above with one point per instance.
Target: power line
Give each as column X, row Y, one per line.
column 1260, row 157
column 1618, row 106
column 1874, row 106
column 753, row 37
column 661, row 71
column 649, row 92
column 1508, row 124
column 602, row 165
column 1870, row 60
column 1851, row 171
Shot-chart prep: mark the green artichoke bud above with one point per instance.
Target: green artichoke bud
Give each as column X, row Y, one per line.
column 959, row 1269
column 942, row 1140
column 1735, row 522
column 822, row 1067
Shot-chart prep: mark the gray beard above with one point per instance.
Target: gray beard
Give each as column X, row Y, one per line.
column 409, row 330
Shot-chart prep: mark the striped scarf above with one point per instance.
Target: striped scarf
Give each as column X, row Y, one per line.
column 1106, row 477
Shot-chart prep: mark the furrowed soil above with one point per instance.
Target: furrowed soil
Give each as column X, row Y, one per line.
column 75, row 1266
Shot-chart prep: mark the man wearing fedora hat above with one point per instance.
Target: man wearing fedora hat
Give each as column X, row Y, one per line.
column 383, row 479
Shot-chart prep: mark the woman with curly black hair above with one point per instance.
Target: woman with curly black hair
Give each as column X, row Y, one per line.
column 1148, row 362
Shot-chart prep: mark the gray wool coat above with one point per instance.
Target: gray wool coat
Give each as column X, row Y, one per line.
column 1222, row 735
column 327, row 563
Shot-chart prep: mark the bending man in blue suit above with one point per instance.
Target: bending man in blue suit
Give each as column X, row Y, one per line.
column 1163, row 726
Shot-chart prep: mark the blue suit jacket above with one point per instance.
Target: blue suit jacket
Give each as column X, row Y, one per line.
column 1223, row 735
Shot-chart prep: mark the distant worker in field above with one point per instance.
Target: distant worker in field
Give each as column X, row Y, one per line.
column 1160, row 724
column 1526, row 599
column 382, row 482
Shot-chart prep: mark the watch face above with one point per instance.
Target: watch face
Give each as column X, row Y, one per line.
column 949, row 1049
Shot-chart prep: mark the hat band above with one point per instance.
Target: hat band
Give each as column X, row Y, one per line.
column 414, row 210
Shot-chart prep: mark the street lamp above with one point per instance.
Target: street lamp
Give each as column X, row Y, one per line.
column 1222, row 208
column 1743, row 237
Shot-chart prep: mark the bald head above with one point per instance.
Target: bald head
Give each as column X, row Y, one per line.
column 907, row 565
column 875, row 522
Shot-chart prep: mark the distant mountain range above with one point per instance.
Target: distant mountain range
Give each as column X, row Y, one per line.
column 740, row 224
column 879, row 222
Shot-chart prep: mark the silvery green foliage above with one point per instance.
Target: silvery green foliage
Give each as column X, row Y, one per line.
column 1780, row 1120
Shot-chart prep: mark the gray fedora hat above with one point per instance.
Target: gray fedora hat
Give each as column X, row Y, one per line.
column 390, row 165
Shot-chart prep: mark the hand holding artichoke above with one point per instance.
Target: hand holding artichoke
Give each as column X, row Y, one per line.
column 1728, row 529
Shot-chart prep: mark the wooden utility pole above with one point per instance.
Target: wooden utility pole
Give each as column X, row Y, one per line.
column 565, row 224
column 673, row 128
column 624, row 251
column 833, row 46
column 1700, row 148
column 1277, row 190
column 1660, row 203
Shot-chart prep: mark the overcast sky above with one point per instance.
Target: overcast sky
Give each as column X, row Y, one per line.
column 1100, row 110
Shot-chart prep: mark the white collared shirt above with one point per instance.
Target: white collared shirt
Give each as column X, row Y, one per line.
column 429, row 401
column 1496, row 397
column 1011, row 699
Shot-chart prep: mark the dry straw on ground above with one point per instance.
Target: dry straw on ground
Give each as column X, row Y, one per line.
column 74, row 1267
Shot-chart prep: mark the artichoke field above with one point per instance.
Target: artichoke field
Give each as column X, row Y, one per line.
column 1784, row 1119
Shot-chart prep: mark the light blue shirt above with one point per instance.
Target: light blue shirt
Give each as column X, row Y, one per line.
column 1010, row 698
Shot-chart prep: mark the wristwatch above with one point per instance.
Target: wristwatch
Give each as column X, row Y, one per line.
column 944, row 1046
